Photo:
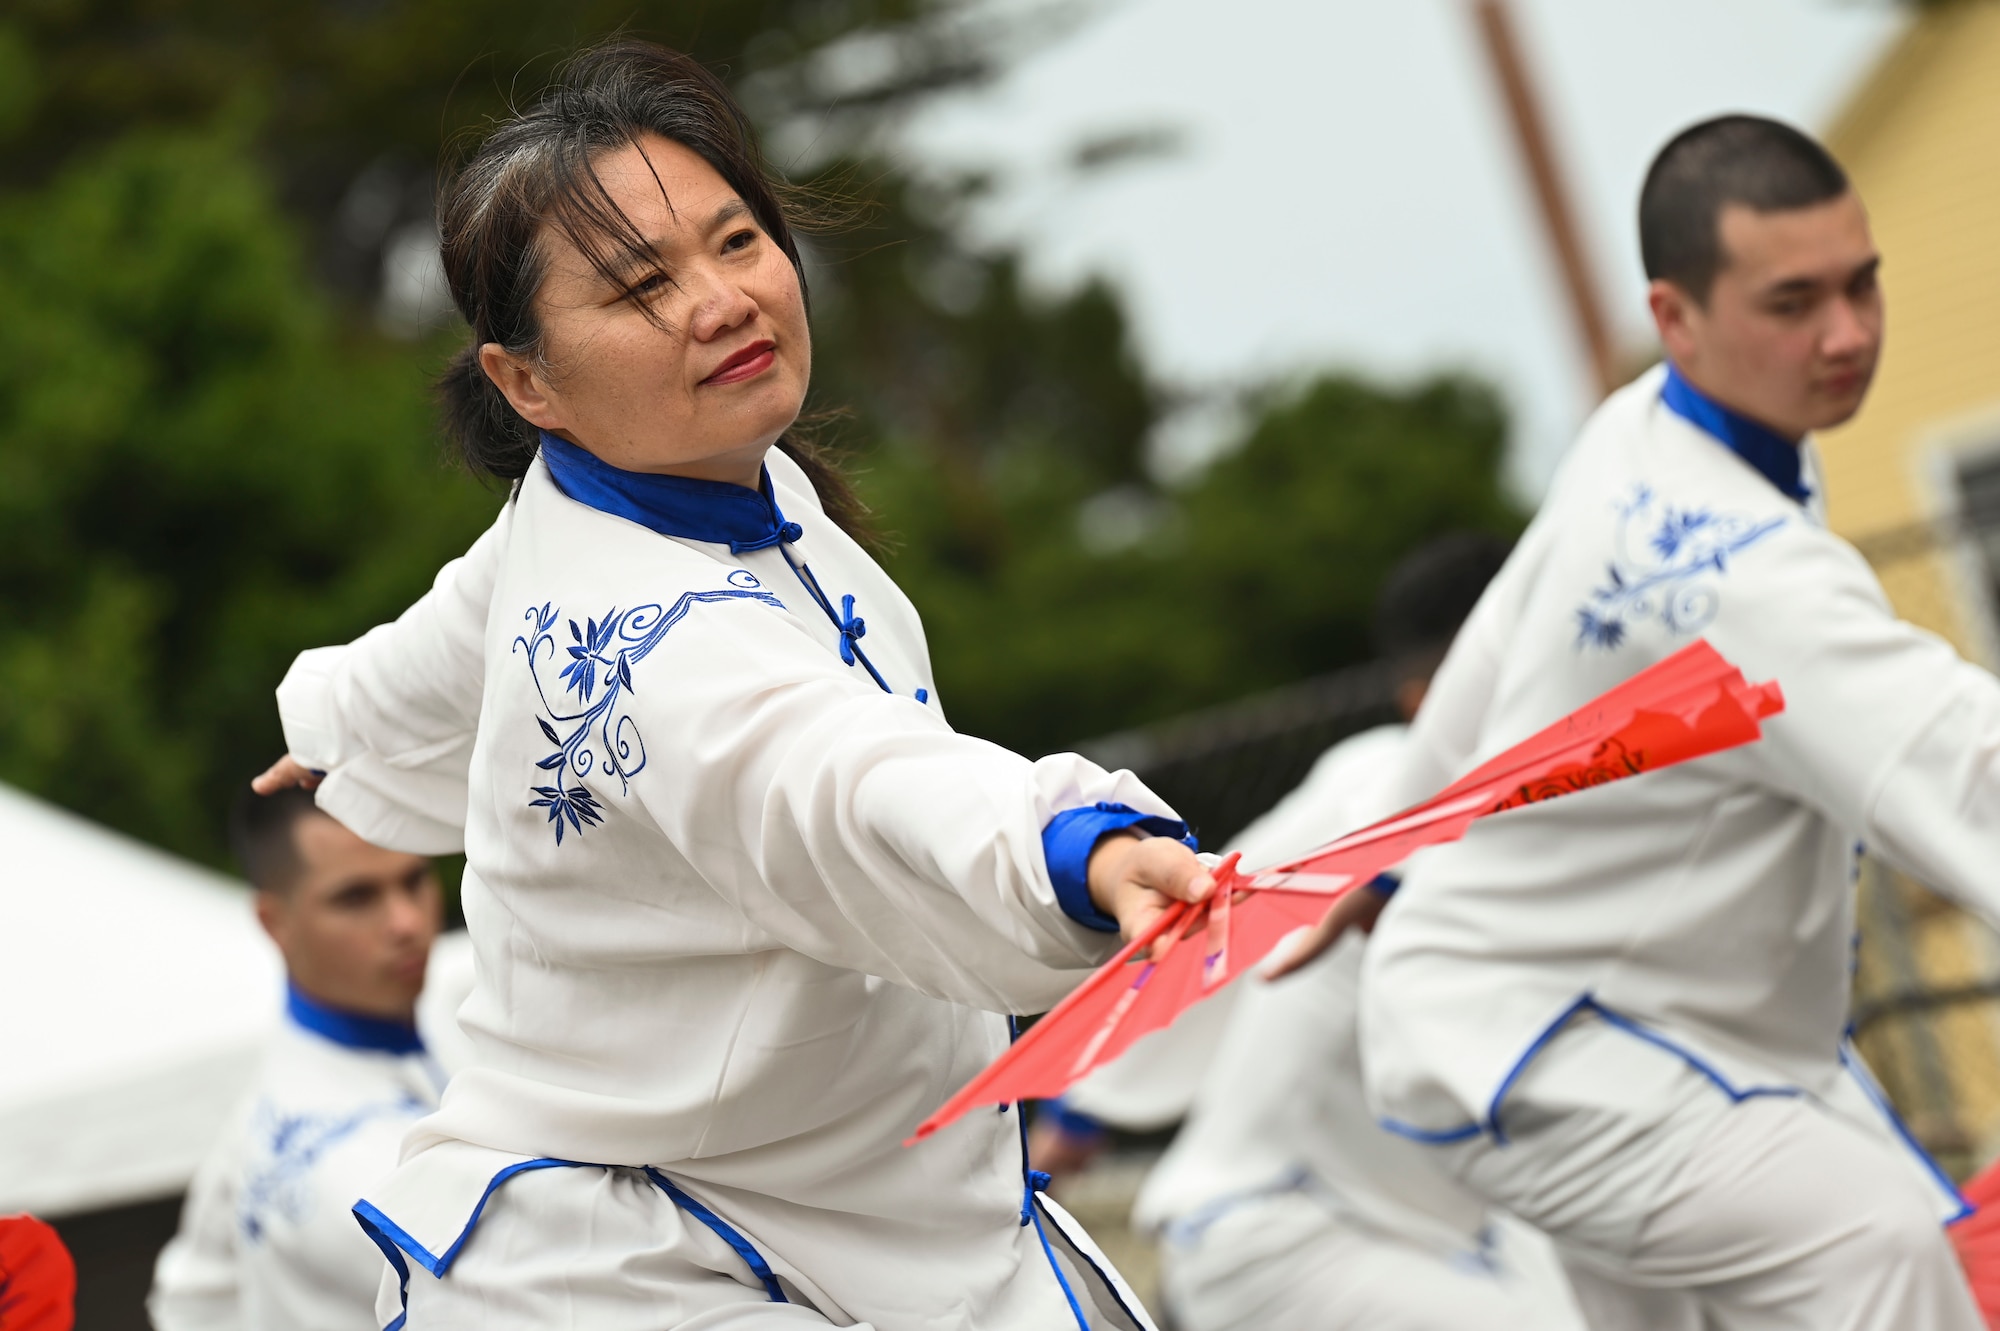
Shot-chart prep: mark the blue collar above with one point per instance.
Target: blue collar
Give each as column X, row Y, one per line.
column 1775, row 457
column 732, row 515
column 350, row 1029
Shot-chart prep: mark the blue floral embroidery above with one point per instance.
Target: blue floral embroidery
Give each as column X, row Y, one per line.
column 1661, row 568
column 279, row 1180
column 593, row 731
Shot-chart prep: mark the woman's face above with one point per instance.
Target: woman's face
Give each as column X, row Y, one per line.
column 705, row 385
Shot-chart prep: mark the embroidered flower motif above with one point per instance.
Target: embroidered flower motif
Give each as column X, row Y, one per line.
column 279, row 1179
column 1667, row 562
column 585, row 719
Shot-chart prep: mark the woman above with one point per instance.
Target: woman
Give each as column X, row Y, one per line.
column 743, row 904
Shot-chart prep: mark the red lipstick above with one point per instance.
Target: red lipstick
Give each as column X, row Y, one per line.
column 748, row 363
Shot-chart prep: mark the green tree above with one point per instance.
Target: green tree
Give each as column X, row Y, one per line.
column 1261, row 571
column 201, row 472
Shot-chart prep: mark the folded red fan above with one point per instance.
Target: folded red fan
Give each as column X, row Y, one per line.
column 1690, row 705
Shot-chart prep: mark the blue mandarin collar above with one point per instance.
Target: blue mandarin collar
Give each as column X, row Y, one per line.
column 350, row 1029
column 1775, row 457
column 695, row 510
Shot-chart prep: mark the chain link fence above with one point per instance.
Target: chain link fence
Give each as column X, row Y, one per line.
column 1927, row 979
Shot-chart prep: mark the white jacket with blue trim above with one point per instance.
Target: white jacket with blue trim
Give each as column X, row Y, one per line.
column 1709, row 906
column 267, row 1236
column 740, row 913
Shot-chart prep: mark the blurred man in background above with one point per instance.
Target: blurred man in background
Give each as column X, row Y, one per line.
column 1281, row 1202
column 267, row 1241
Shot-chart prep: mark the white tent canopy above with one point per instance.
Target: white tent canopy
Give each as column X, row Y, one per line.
column 137, row 991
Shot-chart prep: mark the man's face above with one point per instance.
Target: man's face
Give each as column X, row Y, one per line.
column 1792, row 328
column 357, row 925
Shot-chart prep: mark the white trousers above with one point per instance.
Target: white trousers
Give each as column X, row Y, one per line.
column 1678, row 1209
column 1287, row 1261
column 602, row 1249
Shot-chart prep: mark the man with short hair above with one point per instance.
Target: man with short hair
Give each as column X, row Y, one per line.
column 1620, row 1016
column 267, row 1241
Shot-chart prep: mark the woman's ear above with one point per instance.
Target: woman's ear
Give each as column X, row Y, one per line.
column 521, row 385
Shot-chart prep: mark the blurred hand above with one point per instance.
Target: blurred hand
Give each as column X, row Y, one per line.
column 1059, row 1153
column 1358, row 909
column 1134, row 879
column 283, row 775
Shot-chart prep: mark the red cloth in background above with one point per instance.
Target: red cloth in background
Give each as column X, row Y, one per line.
column 37, row 1277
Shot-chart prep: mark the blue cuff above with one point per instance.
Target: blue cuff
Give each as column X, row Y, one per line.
column 1072, row 1121
column 1070, row 837
column 1384, row 884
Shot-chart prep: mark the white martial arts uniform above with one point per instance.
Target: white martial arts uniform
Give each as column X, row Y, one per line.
column 1588, row 1006
column 1281, row 1202
column 745, row 910
column 267, row 1240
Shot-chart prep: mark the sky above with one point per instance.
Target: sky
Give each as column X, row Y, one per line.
column 1346, row 193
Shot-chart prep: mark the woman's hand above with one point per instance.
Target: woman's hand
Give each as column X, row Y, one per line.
column 1357, row 909
column 1135, row 879
column 283, row 775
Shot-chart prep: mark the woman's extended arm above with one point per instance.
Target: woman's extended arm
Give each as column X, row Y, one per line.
column 384, row 726
column 857, row 828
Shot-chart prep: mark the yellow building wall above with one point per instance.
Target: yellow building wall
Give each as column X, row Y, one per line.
column 1922, row 143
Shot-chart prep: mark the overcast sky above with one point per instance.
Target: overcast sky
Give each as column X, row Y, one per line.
column 1346, row 192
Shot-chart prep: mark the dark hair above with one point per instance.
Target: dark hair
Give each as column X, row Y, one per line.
column 538, row 170
column 1428, row 595
column 1761, row 164
column 263, row 835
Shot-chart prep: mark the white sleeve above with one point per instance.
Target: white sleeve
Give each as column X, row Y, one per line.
column 1886, row 730
column 391, row 717
column 196, row 1286
column 855, row 826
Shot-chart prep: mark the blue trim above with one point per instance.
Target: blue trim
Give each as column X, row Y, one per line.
column 1073, row 834
column 1427, row 1137
column 1859, row 1071
column 850, row 625
column 1384, row 884
column 1072, row 1121
column 697, row 510
column 1188, row 1228
column 1588, row 1003
column 1584, row 1003
column 395, row 1257
column 1774, row 457
column 1029, row 1186
column 724, row 1231
column 713, row 511
column 394, row 1240
column 373, row 1220
column 1075, row 1308
column 351, row 1030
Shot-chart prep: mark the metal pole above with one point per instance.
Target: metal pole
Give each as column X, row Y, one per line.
column 1503, row 49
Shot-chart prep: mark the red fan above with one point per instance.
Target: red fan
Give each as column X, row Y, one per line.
column 1977, row 1241
column 1692, row 704
column 37, row 1277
